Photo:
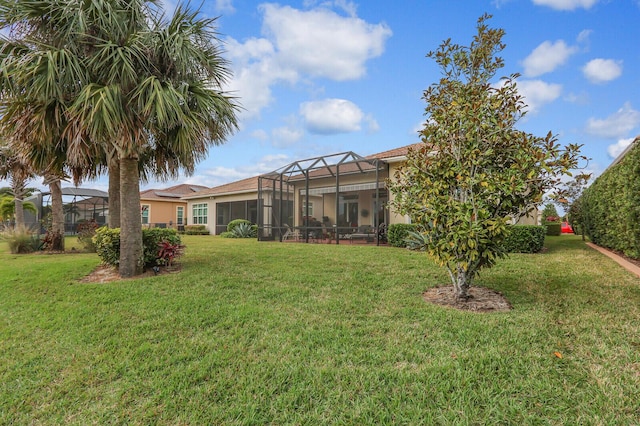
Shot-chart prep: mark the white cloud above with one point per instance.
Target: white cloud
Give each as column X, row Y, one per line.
column 260, row 135
column 617, row 125
column 300, row 44
column 616, row 149
column 547, row 57
column 331, row 116
column 566, row 4
column 216, row 176
column 537, row 93
column 321, row 43
column 584, row 36
column 224, row 6
column 283, row 137
column 372, row 124
column 602, row 70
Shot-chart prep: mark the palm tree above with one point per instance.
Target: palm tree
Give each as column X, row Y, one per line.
column 12, row 167
column 150, row 92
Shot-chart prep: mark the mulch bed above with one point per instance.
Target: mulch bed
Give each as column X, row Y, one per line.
column 481, row 299
column 106, row 273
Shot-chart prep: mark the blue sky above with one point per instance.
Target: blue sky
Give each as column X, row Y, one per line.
column 318, row 77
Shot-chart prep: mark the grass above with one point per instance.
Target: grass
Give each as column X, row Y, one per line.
column 270, row 333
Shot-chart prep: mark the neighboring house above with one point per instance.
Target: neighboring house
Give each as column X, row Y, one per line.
column 216, row 207
column 165, row 208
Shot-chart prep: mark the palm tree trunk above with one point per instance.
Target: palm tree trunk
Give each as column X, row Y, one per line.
column 130, row 219
column 57, row 215
column 114, row 192
column 18, row 195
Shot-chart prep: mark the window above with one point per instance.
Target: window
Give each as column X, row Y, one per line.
column 304, row 209
column 144, row 210
column 200, row 213
column 180, row 215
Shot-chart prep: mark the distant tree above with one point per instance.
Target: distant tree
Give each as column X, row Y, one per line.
column 474, row 172
column 8, row 207
column 571, row 202
column 550, row 213
column 14, row 168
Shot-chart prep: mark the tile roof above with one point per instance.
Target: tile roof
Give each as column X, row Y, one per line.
column 393, row 153
column 171, row 193
column 244, row 185
column 251, row 184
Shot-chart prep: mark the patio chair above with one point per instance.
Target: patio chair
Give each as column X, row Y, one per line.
column 289, row 234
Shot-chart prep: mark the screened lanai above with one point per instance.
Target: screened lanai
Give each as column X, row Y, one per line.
column 332, row 198
column 79, row 205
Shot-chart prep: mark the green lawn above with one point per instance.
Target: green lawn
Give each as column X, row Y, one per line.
column 271, row 333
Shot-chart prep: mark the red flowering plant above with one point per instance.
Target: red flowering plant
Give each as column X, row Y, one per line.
column 168, row 251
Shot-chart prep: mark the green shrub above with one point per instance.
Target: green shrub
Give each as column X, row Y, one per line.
column 553, row 228
column 151, row 241
column 236, row 222
column 21, row 240
column 107, row 242
column 227, row 234
column 196, row 230
column 86, row 230
column 611, row 206
column 524, row 239
column 397, row 233
column 245, row 230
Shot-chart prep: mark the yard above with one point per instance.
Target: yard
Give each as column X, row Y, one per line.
column 267, row 333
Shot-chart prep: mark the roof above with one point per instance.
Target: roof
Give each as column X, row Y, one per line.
column 396, row 153
column 251, row 184
column 173, row 193
column 239, row 186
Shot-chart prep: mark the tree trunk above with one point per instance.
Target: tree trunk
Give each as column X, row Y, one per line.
column 461, row 283
column 57, row 215
column 19, row 209
column 114, row 192
column 130, row 219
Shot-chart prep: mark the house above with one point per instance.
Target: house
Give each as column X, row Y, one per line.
column 164, row 208
column 342, row 192
column 340, row 196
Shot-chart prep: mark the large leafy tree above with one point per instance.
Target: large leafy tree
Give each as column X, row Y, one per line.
column 474, row 171
column 150, row 93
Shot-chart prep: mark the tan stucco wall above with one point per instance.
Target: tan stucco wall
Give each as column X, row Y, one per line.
column 163, row 211
column 211, row 202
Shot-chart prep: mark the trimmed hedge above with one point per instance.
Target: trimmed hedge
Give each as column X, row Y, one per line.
column 196, row 230
column 107, row 243
column 553, row 229
column 611, row 206
column 397, row 233
column 525, row 239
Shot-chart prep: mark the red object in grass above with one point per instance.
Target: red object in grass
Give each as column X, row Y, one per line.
column 565, row 228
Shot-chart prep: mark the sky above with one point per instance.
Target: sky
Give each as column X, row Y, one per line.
column 319, row 77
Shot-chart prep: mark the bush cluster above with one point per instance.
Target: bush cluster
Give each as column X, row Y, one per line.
column 397, row 233
column 240, row 228
column 86, row 230
column 524, row 239
column 553, row 228
column 107, row 243
column 611, row 206
column 196, row 230
column 21, row 240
